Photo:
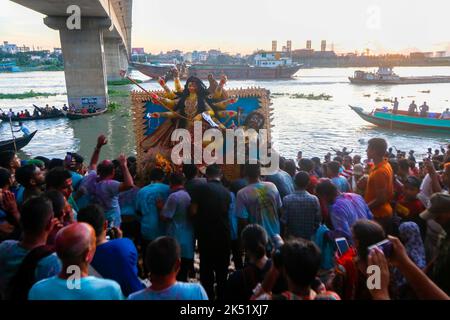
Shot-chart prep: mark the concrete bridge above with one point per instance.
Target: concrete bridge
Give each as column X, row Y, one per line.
column 97, row 51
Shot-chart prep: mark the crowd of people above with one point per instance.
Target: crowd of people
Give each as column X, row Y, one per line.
column 37, row 112
column 191, row 235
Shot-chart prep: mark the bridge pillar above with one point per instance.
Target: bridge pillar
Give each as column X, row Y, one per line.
column 115, row 58
column 84, row 60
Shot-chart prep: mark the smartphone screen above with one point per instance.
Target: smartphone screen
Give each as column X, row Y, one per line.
column 342, row 245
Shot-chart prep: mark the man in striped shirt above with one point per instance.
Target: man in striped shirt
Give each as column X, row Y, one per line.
column 347, row 173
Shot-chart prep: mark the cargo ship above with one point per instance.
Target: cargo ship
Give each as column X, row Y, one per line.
column 154, row 70
column 385, row 75
column 268, row 65
column 236, row 72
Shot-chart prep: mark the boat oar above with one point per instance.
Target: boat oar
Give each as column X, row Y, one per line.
column 38, row 109
column 12, row 133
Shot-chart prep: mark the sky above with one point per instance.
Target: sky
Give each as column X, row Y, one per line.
column 383, row 26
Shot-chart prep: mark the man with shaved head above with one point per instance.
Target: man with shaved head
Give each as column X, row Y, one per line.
column 75, row 246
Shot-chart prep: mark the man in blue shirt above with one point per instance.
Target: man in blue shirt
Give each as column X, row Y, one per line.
column 301, row 210
column 282, row 180
column 163, row 261
column 74, row 163
column 149, row 202
column 114, row 259
column 37, row 222
column 179, row 226
column 75, row 246
column 333, row 170
column 25, row 130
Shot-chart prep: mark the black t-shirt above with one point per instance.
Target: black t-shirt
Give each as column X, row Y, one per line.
column 190, row 185
column 212, row 225
column 241, row 283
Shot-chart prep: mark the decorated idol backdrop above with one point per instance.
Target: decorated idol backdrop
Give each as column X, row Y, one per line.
column 157, row 114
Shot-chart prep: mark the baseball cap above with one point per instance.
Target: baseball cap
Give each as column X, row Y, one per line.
column 440, row 203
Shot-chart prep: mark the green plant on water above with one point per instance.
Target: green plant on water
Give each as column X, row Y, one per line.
column 114, row 106
column 25, row 95
column 311, row 96
column 378, row 99
column 121, row 82
column 118, row 93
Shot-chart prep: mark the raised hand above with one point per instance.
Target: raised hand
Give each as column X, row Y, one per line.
column 101, row 141
column 9, row 202
column 122, row 160
column 223, row 80
column 377, row 258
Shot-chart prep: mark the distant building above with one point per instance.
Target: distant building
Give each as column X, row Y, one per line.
column 308, row 44
column 23, row 49
column 202, row 56
column 137, row 51
column 8, row 47
column 274, row 45
column 214, row 53
column 323, row 45
column 35, row 58
column 57, row 51
column 289, row 46
column 417, row 55
column 187, row 57
column 441, row 54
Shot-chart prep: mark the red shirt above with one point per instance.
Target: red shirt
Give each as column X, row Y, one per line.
column 409, row 209
column 313, row 182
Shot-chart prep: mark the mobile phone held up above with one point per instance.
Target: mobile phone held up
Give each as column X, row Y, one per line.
column 385, row 246
column 342, row 245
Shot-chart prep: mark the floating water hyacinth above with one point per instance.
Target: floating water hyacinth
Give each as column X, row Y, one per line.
column 311, row 96
column 25, row 95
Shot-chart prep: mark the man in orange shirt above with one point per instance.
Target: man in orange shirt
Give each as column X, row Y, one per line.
column 380, row 185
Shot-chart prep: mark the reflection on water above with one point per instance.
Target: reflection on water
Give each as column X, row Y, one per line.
column 308, row 125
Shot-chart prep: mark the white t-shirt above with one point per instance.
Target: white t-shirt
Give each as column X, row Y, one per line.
column 426, row 188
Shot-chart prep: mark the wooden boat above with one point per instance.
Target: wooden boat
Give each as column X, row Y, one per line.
column 45, row 117
column 404, row 121
column 19, row 143
column 154, row 70
column 76, row 115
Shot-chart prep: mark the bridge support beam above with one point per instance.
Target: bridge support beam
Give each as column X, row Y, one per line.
column 84, row 60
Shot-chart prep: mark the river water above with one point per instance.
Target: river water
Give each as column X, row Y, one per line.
column 313, row 126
